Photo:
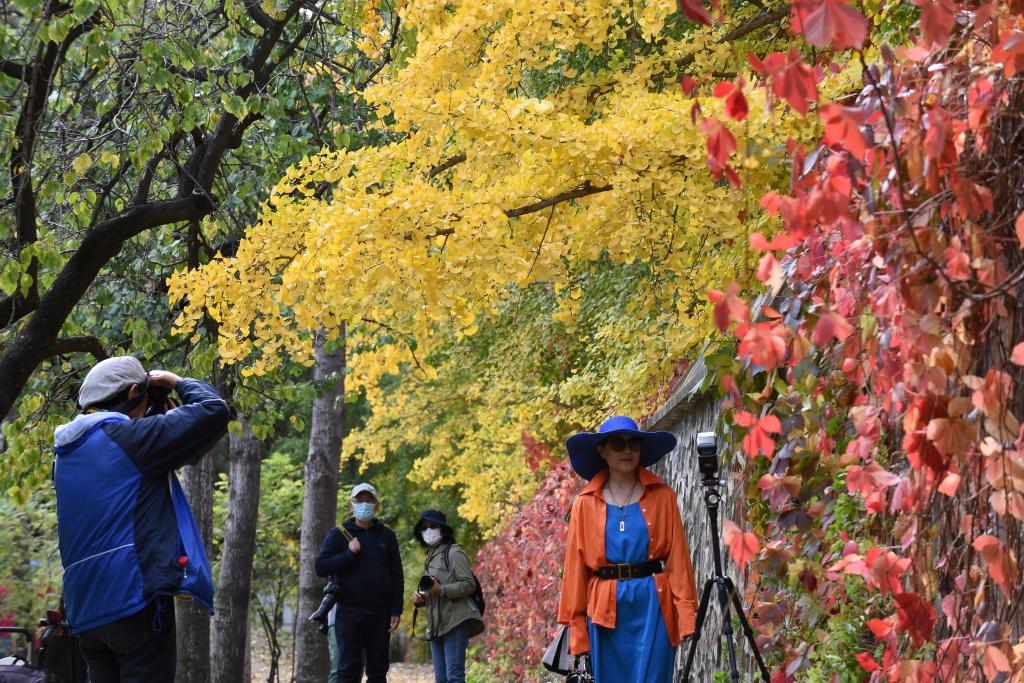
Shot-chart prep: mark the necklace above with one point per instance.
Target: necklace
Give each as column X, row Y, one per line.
column 622, row 508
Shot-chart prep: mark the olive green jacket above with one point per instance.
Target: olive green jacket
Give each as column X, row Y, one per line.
column 454, row 604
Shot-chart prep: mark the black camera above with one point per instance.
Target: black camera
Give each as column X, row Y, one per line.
column 426, row 583
column 330, row 598
column 159, row 399
column 707, row 455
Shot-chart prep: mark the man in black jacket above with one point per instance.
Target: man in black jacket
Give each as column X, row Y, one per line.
column 368, row 568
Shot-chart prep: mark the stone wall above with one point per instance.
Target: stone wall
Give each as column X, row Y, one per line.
column 687, row 412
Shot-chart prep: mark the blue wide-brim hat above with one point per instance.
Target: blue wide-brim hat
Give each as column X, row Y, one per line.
column 582, row 447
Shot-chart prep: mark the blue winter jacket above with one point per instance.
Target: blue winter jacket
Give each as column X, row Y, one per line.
column 126, row 532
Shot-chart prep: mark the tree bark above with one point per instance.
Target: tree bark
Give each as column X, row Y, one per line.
column 319, row 507
column 230, row 624
column 193, row 620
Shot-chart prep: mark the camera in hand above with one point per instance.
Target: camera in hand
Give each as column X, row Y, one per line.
column 707, row 455
column 158, row 398
column 426, row 583
column 330, row 598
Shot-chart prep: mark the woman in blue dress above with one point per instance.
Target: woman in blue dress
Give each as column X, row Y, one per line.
column 628, row 593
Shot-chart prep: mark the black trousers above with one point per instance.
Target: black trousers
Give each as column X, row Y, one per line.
column 362, row 639
column 136, row 649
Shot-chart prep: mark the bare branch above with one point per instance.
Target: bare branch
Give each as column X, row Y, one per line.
column 445, row 165
column 583, row 190
column 256, row 13
column 13, row 69
column 64, row 346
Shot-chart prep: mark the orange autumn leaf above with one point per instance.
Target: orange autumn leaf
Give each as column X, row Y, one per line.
column 743, row 546
column 1002, row 567
column 758, row 439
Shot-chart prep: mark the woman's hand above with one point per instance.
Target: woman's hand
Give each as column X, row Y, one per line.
column 436, row 588
column 418, row 599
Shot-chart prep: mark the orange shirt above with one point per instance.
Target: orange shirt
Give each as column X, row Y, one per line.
column 584, row 594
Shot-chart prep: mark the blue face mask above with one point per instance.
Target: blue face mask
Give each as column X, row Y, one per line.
column 364, row 511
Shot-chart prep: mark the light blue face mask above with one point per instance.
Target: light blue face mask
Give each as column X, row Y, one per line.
column 364, row 511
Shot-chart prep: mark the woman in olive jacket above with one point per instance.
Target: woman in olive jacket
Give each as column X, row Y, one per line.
column 452, row 615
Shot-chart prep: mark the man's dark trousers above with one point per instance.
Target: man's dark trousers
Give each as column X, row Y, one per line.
column 362, row 637
column 137, row 649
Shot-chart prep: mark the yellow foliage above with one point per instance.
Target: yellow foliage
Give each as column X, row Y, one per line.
column 531, row 138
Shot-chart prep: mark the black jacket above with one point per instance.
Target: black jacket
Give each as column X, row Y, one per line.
column 371, row 580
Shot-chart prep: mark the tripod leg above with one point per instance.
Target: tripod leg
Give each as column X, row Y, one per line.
column 702, row 611
column 749, row 632
column 724, row 594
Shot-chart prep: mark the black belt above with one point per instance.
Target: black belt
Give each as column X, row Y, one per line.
column 623, row 572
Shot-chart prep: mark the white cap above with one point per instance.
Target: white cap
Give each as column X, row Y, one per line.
column 110, row 377
column 359, row 488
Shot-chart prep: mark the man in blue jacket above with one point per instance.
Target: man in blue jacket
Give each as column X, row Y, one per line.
column 364, row 557
column 128, row 540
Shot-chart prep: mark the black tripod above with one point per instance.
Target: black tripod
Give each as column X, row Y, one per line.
column 726, row 593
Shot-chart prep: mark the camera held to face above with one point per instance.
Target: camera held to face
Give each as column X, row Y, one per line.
column 159, row 399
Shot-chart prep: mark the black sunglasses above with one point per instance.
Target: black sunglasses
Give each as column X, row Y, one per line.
column 621, row 443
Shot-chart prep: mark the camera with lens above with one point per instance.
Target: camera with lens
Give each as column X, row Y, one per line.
column 159, row 399
column 330, row 598
column 426, row 583
column 707, row 455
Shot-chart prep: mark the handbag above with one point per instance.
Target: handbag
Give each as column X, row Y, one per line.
column 556, row 658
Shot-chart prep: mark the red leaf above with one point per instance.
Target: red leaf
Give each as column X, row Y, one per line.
column 792, row 80
column 743, row 547
column 916, row 616
column 1000, row 562
column 842, row 128
column 994, row 662
column 937, row 19
column 723, row 89
column 764, row 344
column 831, row 326
column 1019, row 225
column 824, row 22
column 1010, row 52
column 757, row 439
column 885, row 569
column 695, row 10
column 736, row 105
column 867, row 662
column 1017, row 357
column 688, row 83
column 729, row 306
column 721, row 142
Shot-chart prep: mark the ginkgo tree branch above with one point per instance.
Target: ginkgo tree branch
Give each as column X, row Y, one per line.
column 445, row 165
column 758, row 22
column 584, row 190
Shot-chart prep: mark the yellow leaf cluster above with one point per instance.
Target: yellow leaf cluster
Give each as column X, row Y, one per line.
column 529, row 138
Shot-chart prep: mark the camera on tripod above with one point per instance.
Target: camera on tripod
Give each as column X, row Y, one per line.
column 707, row 456
column 723, row 587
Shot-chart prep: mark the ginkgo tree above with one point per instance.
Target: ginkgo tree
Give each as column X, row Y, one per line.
column 532, row 138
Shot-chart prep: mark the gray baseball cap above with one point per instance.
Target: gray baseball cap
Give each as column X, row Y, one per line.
column 359, row 488
column 110, row 377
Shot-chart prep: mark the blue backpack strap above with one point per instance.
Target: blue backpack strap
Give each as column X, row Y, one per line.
column 447, row 557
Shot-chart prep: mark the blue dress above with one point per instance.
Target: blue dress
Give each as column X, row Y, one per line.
column 637, row 650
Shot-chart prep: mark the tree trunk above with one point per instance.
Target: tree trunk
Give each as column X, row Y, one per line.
column 319, row 507
column 234, row 587
column 193, row 620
